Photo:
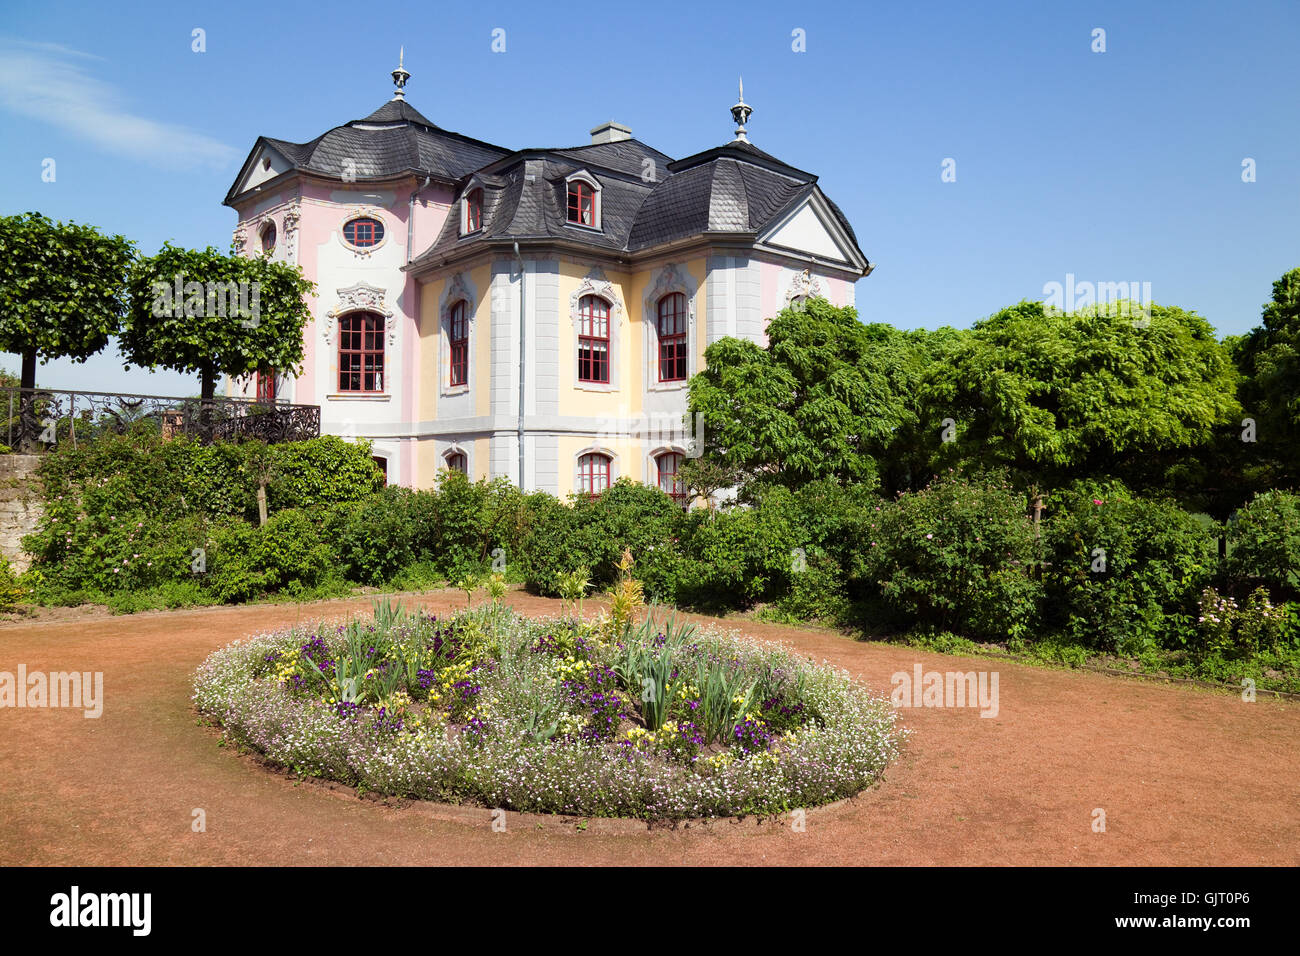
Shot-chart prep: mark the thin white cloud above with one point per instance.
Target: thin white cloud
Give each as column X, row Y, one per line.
column 51, row 83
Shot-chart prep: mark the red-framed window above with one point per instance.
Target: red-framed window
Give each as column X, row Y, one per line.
column 457, row 461
column 582, row 203
column 593, row 474
column 382, row 465
column 673, row 326
column 474, row 211
column 363, row 232
column 669, row 465
column 458, row 335
column 268, row 237
column 266, row 386
column 361, row 352
column 593, row 339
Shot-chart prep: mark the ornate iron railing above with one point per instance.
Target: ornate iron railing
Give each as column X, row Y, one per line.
column 40, row 418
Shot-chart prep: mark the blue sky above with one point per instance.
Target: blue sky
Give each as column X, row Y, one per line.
column 1117, row 166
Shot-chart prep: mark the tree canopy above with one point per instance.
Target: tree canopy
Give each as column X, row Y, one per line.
column 207, row 312
column 62, row 289
column 1269, row 358
column 823, row 399
column 1046, row 395
column 1093, row 392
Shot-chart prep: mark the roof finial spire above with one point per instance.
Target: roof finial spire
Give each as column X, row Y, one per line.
column 400, row 75
column 740, row 113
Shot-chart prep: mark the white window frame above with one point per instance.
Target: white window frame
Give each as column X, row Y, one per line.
column 583, row 176
column 464, row 209
column 614, row 471
column 671, row 278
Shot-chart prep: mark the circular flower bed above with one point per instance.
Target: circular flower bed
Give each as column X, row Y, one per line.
column 551, row 715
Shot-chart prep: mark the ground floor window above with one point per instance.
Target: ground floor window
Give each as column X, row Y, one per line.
column 593, row 474
column 670, row 481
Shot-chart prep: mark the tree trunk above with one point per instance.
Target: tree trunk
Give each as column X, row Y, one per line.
column 29, row 369
column 28, row 426
column 206, row 404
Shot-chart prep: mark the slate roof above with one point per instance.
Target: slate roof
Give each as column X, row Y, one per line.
column 394, row 139
column 735, row 188
column 647, row 200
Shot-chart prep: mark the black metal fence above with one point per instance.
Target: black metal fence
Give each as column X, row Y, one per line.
column 40, row 418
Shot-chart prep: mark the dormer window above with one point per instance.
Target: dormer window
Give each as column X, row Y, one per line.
column 473, row 211
column 363, row 232
column 583, row 201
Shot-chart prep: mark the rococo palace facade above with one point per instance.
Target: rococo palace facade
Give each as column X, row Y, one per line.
column 537, row 313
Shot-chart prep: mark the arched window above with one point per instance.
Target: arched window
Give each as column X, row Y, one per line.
column 382, row 465
column 582, row 203
column 458, row 336
column 268, row 237
column 363, row 232
column 474, row 211
column 361, row 352
column 593, row 339
column 593, row 474
column 265, row 386
column 456, row 461
column 672, row 337
column 669, row 465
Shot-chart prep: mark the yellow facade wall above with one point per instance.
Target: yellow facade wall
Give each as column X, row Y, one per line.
column 631, row 362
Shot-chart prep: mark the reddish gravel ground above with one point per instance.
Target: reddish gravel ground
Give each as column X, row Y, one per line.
column 1186, row 776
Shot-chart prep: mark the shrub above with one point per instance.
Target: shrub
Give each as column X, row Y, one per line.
column 956, row 556
column 376, row 538
column 320, row 471
column 1264, row 545
column 634, row 517
column 231, row 571
column 593, row 533
column 550, row 546
column 1125, row 573
column 817, row 593
column 737, row 557
column 11, row 590
column 289, row 553
column 471, row 520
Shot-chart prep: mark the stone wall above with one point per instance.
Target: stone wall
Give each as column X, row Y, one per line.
column 21, row 505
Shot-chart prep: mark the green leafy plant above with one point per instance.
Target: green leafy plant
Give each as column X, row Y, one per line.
column 572, row 586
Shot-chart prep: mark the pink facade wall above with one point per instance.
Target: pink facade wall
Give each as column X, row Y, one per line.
column 320, row 217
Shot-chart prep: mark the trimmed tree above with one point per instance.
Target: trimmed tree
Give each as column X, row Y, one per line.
column 62, row 289
column 215, row 314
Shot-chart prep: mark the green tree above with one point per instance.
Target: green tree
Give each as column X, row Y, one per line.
column 206, row 312
column 1269, row 358
column 62, row 289
column 1094, row 393
column 824, row 399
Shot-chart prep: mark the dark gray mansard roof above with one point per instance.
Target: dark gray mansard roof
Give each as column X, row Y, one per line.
column 732, row 189
column 647, row 198
column 394, row 139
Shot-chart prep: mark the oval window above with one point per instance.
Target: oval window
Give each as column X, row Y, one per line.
column 363, row 232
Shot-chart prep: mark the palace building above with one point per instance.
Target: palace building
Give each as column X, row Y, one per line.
column 537, row 313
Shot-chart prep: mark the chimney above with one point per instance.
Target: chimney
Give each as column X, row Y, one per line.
column 610, row 132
